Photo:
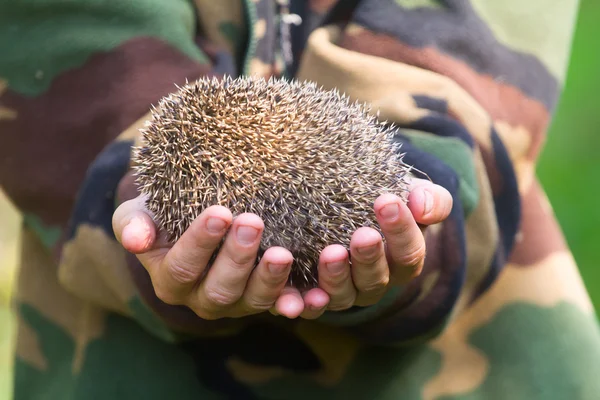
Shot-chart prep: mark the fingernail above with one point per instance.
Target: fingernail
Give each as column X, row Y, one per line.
column 336, row 267
column 390, row 211
column 215, row 225
column 368, row 251
column 278, row 269
column 247, row 234
column 427, row 202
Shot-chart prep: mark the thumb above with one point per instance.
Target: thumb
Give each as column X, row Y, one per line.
column 133, row 227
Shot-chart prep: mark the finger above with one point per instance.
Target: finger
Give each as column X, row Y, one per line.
column 267, row 280
column 315, row 303
column 139, row 235
column 186, row 261
column 405, row 244
column 289, row 304
column 335, row 277
column 227, row 278
column 429, row 203
column 370, row 271
column 133, row 227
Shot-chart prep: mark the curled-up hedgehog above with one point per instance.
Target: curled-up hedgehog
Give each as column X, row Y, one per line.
column 308, row 161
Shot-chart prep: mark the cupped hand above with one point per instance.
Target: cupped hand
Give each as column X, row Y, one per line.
column 364, row 276
column 231, row 287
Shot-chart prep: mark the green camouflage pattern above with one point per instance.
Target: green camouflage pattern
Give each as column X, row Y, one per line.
column 499, row 312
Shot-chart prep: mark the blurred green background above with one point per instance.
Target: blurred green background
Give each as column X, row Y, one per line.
column 567, row 168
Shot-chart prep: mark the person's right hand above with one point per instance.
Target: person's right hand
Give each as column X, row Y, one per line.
column 231, row 287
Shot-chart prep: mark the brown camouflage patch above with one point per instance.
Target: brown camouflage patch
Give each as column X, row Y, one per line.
column 461, row 105
column 501, row 101
column 379, row 80
column 83, row 111
column 540, row 234
column 388, row 86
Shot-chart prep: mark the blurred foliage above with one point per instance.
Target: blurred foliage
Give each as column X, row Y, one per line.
column 568, row 167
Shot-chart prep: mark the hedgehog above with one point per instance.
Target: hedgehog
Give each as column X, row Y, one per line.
column 309, row 161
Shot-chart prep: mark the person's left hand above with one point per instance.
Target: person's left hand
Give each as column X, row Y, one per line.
column 376, row 267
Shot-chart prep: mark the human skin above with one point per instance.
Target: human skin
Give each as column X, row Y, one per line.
column 232, row 287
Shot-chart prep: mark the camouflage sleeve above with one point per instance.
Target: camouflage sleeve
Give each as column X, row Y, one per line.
column 76, row 80
column 472, row 91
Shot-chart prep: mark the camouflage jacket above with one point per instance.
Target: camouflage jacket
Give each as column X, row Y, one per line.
column 499, row 311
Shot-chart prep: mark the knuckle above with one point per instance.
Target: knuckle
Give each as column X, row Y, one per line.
column 336, row 278
column 412, row 258
column 371, row 258
column 375, row 286
column 400, row 232
column 219, row 298
column 182, row 273
column 208, row 245
column 202, row 243
column 241, row 260
column 258, row 304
